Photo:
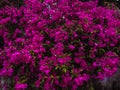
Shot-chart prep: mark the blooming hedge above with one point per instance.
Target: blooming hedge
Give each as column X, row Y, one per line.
column 58, row 44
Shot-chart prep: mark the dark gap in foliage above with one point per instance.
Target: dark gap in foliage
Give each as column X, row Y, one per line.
column 116, row 48
column 15, row 3
column 1, row 42
column 118, row 3
column 17, row 69
column 18, row 3
column 100, row 52
column 12, row 27
column 73, row 17
column 96, row 21
column 52, row 25
column 48, row 46
column 101, row 2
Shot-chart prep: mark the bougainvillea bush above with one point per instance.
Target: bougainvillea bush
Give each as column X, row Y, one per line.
column 58, row 44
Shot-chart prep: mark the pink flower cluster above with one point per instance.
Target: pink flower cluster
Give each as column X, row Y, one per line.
column 58, row 44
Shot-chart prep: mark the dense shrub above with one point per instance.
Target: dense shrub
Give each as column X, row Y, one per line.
column 58, row 44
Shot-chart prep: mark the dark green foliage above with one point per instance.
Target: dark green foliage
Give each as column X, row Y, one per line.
column 16, row 3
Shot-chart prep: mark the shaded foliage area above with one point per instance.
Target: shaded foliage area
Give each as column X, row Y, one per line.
column 16, row 3
column 103, row 2
column 112, row 83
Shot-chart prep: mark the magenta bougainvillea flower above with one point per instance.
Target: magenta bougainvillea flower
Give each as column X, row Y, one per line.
column 58, row 44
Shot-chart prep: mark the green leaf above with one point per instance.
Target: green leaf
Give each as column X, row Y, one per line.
column 57, row 67
column 64, row 70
